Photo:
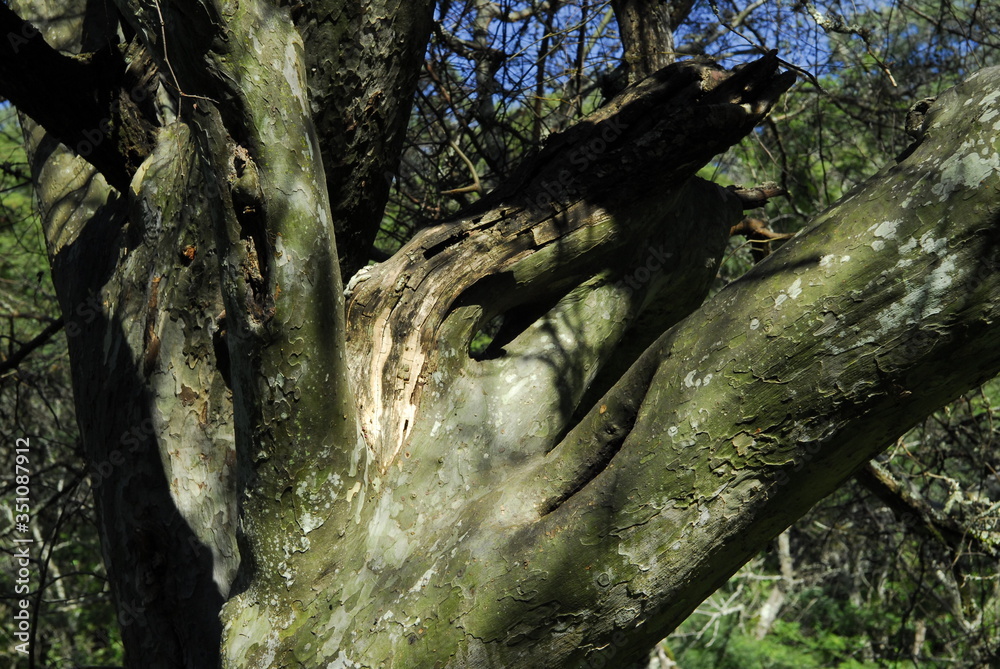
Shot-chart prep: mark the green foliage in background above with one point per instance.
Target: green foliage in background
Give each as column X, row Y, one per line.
column 76, row 619
column 854, row 584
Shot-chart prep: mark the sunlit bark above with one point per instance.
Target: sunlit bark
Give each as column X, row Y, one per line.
column 567, row 497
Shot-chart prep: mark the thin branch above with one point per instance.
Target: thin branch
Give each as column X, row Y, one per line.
column 698, row 47
column 836, row 24
column 19, row 355
column 920, row 514
column 166, row 59
column 476, row 186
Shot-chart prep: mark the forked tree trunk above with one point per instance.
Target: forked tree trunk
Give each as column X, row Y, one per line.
column 405, row 504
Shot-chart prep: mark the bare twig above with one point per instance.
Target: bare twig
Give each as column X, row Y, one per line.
column 19, row 355
column 166, row 59
column 476, row 186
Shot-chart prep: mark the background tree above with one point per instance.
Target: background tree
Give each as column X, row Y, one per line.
column 72, row 614
column 406, row 519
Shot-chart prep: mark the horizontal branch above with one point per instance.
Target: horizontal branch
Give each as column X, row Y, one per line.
column 777, row 390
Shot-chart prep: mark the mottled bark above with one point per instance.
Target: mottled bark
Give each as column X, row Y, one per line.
column 567, row 224
column 773, row 393
column 728, row 429
column 647, row 33
column 138, row 285
column 361, row 60
column 404, row 504
column 296, row 436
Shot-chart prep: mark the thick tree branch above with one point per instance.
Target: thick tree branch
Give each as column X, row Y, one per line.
column 562, row 220
column 647, row 33
column 361, row 99
column 776, row 391
column 83, row 101
column 126, row 401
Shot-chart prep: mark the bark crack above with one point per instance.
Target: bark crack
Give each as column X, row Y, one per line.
column 248, row 205
column 609, row 444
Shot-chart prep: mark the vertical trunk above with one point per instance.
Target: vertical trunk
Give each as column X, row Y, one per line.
column 360, row 60
column 153, row 411
column 138, row 286
column 647, row 33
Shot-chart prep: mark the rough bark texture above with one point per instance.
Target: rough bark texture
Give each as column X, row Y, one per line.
column 403, row 504
column 570, row 217
column 138, row 283
column 723, row 433
column 772, row 394
column 360, row 61
column 647, row 33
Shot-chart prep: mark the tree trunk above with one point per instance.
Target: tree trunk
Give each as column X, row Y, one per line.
column 403, row 503
column 359, row 59
column 138, row 285
column 647, row 32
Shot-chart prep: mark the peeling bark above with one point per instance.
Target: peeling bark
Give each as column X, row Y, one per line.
column 564, row 500
column 360, row 59
column 566, row 220
column 137, row 283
